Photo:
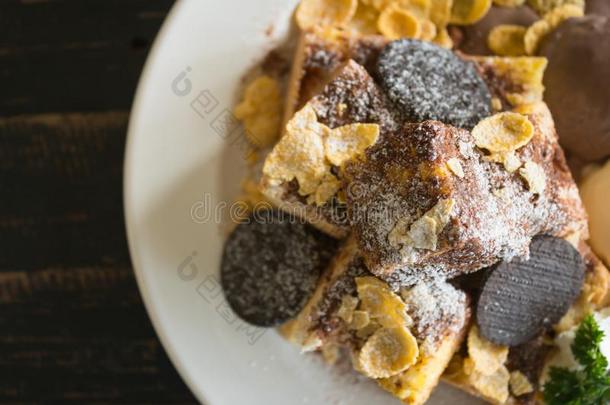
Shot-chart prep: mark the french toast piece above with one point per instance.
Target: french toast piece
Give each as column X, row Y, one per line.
column 317, row 58
column 324, row 58
column 414, row 218
column 513, row 81
column 415, row 385
column 350, row 97
column 439, row 313
column 314, row 325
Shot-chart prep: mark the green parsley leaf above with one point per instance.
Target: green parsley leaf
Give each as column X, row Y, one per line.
column 563, row 387
column 585, row 347
column 589, row 385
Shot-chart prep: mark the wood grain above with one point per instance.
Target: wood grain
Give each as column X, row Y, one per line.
column 60, row 182
column 80, row 334
column 74, row 55
column 72, row 325
column 72, row 321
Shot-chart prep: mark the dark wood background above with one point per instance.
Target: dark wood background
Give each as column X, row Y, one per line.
column 72, row 324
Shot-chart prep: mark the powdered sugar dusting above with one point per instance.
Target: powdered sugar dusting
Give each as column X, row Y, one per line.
column 438, row 309
column 271, row 265
column 343, row 285
column 429, row 82
column 495, row 216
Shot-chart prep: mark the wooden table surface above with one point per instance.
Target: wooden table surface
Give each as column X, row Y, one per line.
column 72, row 323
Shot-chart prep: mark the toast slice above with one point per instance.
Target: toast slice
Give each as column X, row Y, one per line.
column 317, row 58
column 325, row 64
column 438, row 315
column 482, row 212
column 351, row 97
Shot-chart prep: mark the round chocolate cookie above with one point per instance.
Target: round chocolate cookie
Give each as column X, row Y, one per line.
column 271, row 265
column 521, row 298
column 427, row 82
column 473, row 39
column 577, row 82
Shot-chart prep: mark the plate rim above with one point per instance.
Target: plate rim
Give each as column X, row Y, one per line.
column 129, row 207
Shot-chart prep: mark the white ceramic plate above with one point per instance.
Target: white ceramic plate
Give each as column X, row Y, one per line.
column 182, row 168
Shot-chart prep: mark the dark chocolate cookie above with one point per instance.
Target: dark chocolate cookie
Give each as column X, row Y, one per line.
column 578, row 93
column 427, row 82
column 521, row 298
column 271, row 265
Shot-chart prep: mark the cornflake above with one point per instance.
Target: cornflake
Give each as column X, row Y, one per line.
column 440, row 12
column 311, row 343
column 561, row 13
column 341, row 107
column 346, row 142
column 307, row 150
column 387, row 352
column 503, row 132
column 428, row 30
column 443, row 39
column 377, row 4
column 329, row 186
column 360, row 319
column 455, row 167
column 499, row 193
column 300, row 153
column 396, row 22
column 312, row 13
column 525, row 72
column 367, row 330
column 534, row 34
column 537, row 31
column 419, row 8
column 544, row 6
column 509, row 3
column 332, row 35
column 535, row 177
column 597, row 284
column 346, row 310
column 487, row 358
column 382, row 305
column 485, row 366
column 509, row 160
column 519, row 384
column 365, row 20
column 466, row 12
column 507, row 40
column 494, row 387
column 261, row 111
column 423, row 233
